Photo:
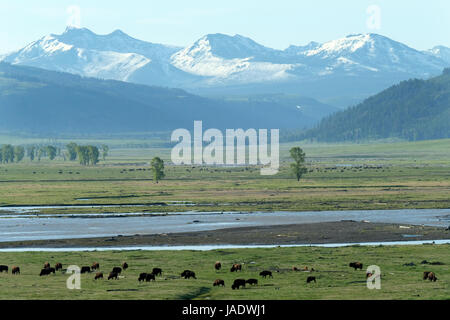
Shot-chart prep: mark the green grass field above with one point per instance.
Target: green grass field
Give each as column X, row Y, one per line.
column 335, row 279
column 340, row 177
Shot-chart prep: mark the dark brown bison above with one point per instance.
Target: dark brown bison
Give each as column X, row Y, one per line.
column 58, row 266
column 157, row 271
column 85, row 269
column 4, row 268
column 95, row 266
column 219, row 282
column 113, row 275
column 295, row 269
column 15, row 270
column 124, row 266
column 187, row 274
column 238, row 283
column 432, row 276
column 236, row 267
column 46, row 265
column 98, row 275
column 117, row 270
column 266, row 273
column 217, row 266
column 425, row 275
column 356, row 265
column 310, row 279
column 252, row 282
column 46, row 271
column 142, row 276
column 149, row 276
column 369, row 274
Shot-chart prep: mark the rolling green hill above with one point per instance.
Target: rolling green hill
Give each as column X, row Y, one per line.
column 412, row 110
column 47, row 102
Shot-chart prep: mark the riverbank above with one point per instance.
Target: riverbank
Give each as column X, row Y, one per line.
column 311, row 233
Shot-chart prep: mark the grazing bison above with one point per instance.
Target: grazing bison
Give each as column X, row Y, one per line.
column 98, row 275
column 310, row 279
column 236, row 267
column 356, row 265
column 188, row 274
column 432, row 276
column 15, row 270
column 117, row 270
column 238, row 283
column 46, row 265
column 149, row 276
column 157, row 271
column 85, row 269
column 252, row 282
column 95, row 266
column 217, row 266
column 113, row 275
column 4, row 268
column 46, row 272
column 142, row 276
column 266, row 273
column 124, row 266
column 219, row 282
column 295, row 269
column 58, row 266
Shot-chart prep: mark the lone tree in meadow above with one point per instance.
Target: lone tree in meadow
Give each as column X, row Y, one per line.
column 298, row 166
column 157, row 167
column 105, row 150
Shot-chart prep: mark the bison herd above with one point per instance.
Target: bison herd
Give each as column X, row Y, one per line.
column 187, row 274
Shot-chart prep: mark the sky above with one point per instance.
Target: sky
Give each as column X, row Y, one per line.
column 277, row 24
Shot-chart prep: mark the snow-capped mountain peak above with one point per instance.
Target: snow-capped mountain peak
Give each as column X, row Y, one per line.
column 220, row 60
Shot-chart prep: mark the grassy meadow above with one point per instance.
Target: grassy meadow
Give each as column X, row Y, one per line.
column 335, row 279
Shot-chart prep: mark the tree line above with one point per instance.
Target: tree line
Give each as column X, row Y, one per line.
column 86, row 155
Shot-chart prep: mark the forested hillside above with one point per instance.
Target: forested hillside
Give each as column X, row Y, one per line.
column 412, row 110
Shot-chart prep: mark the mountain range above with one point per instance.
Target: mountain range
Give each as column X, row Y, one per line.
column 339, row 72
column 51, row 103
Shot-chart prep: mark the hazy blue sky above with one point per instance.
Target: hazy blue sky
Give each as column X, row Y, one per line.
column 420, row 24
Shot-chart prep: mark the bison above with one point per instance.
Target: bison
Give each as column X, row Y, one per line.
column 217, row 266
column 188, row 274
column 157, row 271
column 295, row 269
column 142, row 276
column 117, row 270
column 236, row 267
column 252, row 282
column 85, row 269
column 149, row 276
column 95, row 266
column 310, row 279
column 356, row 265
column 238, row 283
column 432, row 276
column 4, row 268
column 46, row 265
column 15, row 270
column 124, row 266
column 113, row 275
column 58, row 266
column 98, row 275
column 219, row 282
column 266, row 273
column 46, row 271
